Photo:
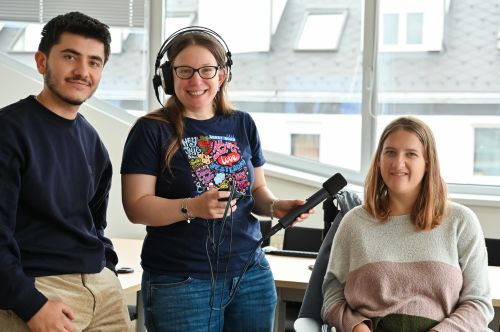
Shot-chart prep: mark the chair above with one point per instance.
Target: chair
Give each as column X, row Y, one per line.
column 300, row 239
column 493, row 247
column 265, row 228
column 309, row 318
column 137, row 314
column 132, row 311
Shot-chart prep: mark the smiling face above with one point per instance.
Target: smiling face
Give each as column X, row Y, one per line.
column 72, row 71
column 402, row 165
column 196, row 93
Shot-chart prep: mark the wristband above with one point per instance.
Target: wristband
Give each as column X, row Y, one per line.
column 185, row 211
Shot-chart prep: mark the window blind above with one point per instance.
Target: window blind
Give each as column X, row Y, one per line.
column 117, row 13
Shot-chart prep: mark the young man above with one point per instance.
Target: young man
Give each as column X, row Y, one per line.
column 56, row 266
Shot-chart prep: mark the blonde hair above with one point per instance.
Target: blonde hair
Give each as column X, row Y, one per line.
column 431, row 205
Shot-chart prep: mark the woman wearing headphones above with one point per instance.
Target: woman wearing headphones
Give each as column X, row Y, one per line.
column 183, row 167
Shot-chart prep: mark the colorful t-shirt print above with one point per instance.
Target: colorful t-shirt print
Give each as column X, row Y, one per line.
column 216, row 161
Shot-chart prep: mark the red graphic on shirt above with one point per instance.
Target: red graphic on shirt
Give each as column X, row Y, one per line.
column 204, row 144
column 228, row 159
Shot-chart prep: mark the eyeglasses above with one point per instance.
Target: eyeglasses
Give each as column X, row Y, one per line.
column 205, row 72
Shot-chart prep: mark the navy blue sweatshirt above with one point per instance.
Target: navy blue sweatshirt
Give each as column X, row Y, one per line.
column 55, row 176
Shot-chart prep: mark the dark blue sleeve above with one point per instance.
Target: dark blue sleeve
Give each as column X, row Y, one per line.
column 98, row 207
column 17, row 290
column 254, row 139
column 142, row 153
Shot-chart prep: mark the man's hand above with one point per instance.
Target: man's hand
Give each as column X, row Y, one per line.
column 53, row 317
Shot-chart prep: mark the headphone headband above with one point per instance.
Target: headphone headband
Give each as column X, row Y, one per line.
column 163, row 73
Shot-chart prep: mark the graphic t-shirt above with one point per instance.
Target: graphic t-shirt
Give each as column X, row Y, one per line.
column 215, row 153
column 216, row 162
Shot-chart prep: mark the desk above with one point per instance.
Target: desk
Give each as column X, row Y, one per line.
column 129, row 255
column 291, row 275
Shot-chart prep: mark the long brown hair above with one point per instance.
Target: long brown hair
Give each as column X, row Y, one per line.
column 431, row 205
column 173, row 112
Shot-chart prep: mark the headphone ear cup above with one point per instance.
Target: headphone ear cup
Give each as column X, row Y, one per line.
column 229, row 63
column 167, row 78
column 156, row 82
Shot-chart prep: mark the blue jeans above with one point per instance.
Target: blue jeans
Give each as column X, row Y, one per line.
column 183, row 303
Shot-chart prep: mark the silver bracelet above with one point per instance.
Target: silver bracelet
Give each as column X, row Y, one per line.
column 272, row 208
column 185, row 210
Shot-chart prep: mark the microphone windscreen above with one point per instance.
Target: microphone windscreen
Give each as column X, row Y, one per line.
column 334, row 184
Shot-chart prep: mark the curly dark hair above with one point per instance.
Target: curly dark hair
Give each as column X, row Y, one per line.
column 77, row 23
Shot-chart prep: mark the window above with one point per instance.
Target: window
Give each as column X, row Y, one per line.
column 177, row 21
column 454, row 92
column 321, row 31
column 487, row 151
column 402, row 30
column 390, row 27
column 28, row 39
column 111, row 12
column 316, row 91
column 498, row 39
column 412, row 25
column 290, row 92
column 305, row 146
column 246, row 26
column 414, row 29
column 121, row 84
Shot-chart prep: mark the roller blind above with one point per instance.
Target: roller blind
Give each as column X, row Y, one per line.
column 118, row 13
column 19, row 10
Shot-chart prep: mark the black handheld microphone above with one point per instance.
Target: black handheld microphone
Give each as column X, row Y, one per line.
column 330, row 187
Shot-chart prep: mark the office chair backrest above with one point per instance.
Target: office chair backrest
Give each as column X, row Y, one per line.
column 313, row 298
column 493, row 247
column 265, row 228
column 330, row 211
column 302, row 238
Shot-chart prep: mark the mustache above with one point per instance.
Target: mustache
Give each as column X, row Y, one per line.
column 79, row 78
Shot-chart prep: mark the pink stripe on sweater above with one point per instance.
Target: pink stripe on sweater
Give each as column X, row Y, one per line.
column 427, row 289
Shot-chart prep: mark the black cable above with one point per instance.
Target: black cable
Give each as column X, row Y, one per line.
column 226, row 268
column 212, row 285
column 223, row 226
column 215, row 249
column 242, row 273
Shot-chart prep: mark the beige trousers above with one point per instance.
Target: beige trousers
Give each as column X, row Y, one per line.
column 97, row 300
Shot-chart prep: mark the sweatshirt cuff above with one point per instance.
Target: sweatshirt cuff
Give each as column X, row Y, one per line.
column 28, row 304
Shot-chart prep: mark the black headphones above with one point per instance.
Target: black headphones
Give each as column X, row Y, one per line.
column 164, row 74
